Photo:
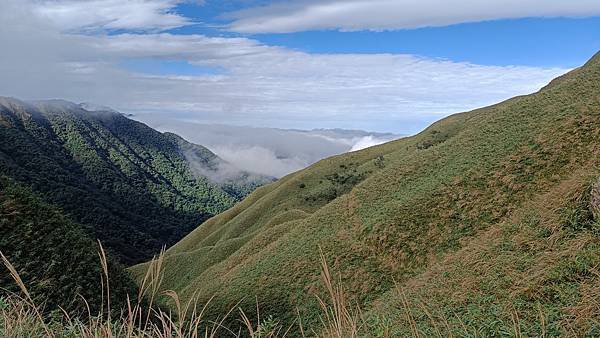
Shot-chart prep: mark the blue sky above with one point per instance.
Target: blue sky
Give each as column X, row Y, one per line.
column 557, row 42
column 538, row 42
column 382, row 65
column 547, row 42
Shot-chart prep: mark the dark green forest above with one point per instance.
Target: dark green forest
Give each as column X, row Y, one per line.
column 56, row 260
column 128, row 185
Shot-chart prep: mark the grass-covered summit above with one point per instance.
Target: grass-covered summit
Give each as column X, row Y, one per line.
column 130, row 186
column 480, row 225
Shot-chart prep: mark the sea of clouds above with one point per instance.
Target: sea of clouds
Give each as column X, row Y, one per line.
column 269, row 151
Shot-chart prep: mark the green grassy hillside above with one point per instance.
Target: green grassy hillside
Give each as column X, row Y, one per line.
column 130, row 186
column 481, row 216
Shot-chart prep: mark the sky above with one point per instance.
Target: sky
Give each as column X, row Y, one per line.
column 378, row 65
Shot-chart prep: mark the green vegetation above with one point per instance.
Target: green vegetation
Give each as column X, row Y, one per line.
column 128, row 185
column 478, row 226
column 485, row 224
column 53, row 256
column 20, row 316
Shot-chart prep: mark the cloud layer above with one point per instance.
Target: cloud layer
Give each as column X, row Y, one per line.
column 397, row 14
column 94, row 15
column 268, row 151
column 255, row 85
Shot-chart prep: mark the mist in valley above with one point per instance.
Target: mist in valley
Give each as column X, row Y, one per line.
column 268, row 151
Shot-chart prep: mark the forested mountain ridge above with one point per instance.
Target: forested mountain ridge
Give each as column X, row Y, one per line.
column 130, row 186
column 479, row 225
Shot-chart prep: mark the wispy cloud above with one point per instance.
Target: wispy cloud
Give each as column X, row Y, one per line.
column 305, row 15
column 94, row 15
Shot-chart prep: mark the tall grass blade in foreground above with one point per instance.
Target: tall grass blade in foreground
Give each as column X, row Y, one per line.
column 20, row 316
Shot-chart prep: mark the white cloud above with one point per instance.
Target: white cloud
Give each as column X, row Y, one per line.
column 258, row 85
column 397, row 14
column 366, row 142
column 268, row 151
column 259, row 160
column 93, row 15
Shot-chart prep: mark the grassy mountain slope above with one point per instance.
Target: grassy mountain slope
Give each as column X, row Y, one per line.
column 535, row 274
column 132, row 187
column 56, row 260
column 451, row 206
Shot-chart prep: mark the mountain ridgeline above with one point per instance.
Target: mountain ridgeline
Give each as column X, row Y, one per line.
column 481, row 217
column 131, row 187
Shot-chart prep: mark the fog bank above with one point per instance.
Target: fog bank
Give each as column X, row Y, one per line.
column 269, row 151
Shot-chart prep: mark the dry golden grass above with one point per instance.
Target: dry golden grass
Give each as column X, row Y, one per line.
column 535, row 274
column 20, row 316
column 143, row 318
column 339, row 319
